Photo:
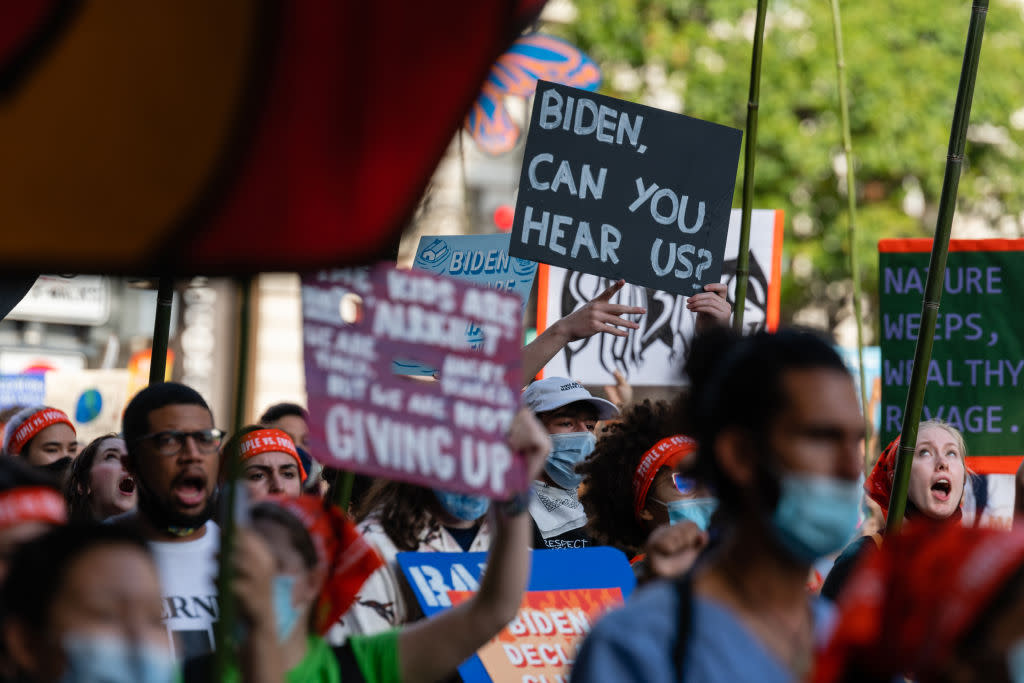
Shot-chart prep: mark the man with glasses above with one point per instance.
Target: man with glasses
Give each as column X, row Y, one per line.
column 173, row 455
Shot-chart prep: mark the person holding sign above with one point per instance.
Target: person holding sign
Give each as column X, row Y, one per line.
column 599, row 315
column 778, row 427
column 569, row 413
column 321, row 561
column 938, row 476
column 401, row 517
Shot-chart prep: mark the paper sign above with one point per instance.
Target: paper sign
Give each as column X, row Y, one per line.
column 93, row 399
column 481, row 259
column 621, row 190
column 568, row 588
column 449, row 433
column 653, row 355
column 976, row 373
column 78, row 300
column 26, row 390
column 540, row 644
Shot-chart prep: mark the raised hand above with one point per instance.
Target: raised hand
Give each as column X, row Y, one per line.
column 600, row 315
column 711, row 306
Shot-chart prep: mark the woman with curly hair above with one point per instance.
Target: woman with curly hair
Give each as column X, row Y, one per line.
column 633, row 482
column 398, row 517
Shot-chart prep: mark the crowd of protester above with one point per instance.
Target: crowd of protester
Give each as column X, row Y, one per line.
column 723, row 500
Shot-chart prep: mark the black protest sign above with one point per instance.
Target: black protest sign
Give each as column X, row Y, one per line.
column 621, row 190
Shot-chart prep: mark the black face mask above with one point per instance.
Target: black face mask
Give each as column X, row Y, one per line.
column 160, row 516
column 58, row 469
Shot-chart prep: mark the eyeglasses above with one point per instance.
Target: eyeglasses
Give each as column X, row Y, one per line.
column 171, row 442
column 683, row 483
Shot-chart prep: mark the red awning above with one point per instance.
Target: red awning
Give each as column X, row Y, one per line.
column 233, row 136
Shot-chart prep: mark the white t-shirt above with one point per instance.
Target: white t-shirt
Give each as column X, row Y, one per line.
column 188, row 574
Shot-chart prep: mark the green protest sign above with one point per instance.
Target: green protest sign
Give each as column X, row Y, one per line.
column 976, row 374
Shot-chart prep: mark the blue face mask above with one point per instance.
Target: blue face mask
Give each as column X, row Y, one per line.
column 282, row 588
column 1015, row 661
column 567, row 451
column 114, row 660
column 696, row 510
column 462, row 505
column 816, row 515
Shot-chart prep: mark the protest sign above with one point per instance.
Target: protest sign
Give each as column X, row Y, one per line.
column 621, row 190
column 481, row 259
column 652, row 355
column 26, row 389
column 567, row 592
column 448, row 433
column 976, row 371
column 93, row 399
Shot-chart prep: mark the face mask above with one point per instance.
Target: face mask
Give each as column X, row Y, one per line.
column 282, row 588
column 463, row 506
column 113, row 660
column 57, row 468
column 816, row 515
column 1015, row 661
column 696, row 510
column 567, row 451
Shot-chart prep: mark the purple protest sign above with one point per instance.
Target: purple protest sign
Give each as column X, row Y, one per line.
column 447, row 433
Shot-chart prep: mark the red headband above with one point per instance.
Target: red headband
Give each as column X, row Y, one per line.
column 270, row 441
column 35, row 423
column 906, row 607
column 878, row 484
column 32, row 504
column 666, row 453
column 341, row 549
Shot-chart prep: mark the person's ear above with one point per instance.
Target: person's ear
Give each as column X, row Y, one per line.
column 646, row 515
column 22, row 648
column 307, row 591
column 735, row 456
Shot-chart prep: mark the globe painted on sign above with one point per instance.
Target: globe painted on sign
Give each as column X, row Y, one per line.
column 89, row 406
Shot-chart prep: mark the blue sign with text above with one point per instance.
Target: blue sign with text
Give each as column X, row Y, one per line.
column 480, row 259
column 433, row 575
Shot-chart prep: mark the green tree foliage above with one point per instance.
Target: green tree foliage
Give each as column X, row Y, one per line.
column 903, row 63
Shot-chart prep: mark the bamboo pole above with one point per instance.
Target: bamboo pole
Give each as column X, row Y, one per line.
column 225, row 633
column 343, row 489
column 749, row 149
column 161, row 330
column 851, row 198
column 937, row 266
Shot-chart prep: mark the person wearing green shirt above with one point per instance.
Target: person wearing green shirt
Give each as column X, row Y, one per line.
column 302, row 563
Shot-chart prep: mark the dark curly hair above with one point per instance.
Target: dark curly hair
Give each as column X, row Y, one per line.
column 76, row 490
column 404, row 511
column 607, row 490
